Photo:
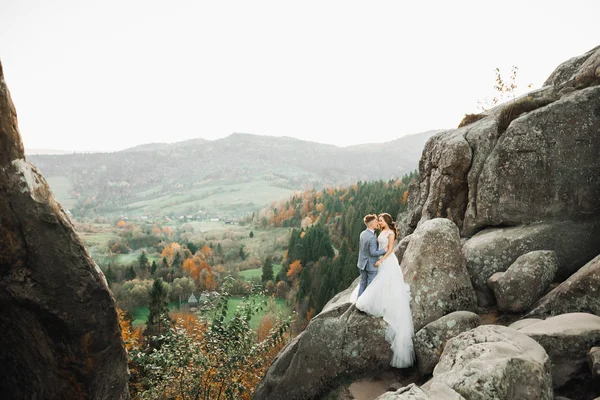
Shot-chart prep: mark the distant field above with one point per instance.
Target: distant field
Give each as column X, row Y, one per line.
column 62, row 190
column 232, row 199
column 251, row 274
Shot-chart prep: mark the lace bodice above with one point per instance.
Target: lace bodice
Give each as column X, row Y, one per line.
column 383, row 239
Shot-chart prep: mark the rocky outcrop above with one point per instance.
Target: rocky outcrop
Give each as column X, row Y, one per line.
column 430, row 340
column 487, row 363
column 340, row 342
column 533, row 160
column 435, row 270
column 60, row 333
column 567, row 339
column 579, row 293
column 495, row 249
column 400, row 248
column 524, row 281
column 413, row 392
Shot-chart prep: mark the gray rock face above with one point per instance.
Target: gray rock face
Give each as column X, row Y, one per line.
column 524, row 281
column 594, row 361
column 524, row 322
column 60, row 333
column 534, row 159
column 400, row 248
column 567, row 339
column 495, row 249
column 490, row 362
column 579, row 293
column 413, row 392
column 430, row 340
column 340, row 341
column 435, row 269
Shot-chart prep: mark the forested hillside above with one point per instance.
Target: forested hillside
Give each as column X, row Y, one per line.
column 227, row 177
column 322, row 251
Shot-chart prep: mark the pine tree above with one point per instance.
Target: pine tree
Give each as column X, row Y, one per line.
column 158, row 307
column 165, row 263
column 177, row 261
column 192, row 247
column 143, row 260
column 242, row 254
column 267, row 270
column 154, row 267
column 130, row 273
column 110, row 275
column 251, row 234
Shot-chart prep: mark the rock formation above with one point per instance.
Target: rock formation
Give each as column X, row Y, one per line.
column 567, row 339
column 435, row 270
column 524, row 281
column 579, row 293
column 487, row 363
column 60, row 333
column 533, row 160
column 430, row 340
column 339, row 342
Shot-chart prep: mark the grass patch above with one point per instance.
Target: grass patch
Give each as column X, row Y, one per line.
column 234, row 302
column 140, row 314
column 256, row 273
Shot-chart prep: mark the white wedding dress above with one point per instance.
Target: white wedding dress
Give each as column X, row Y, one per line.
column 389, row 297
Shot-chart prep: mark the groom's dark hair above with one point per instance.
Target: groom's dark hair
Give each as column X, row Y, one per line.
column 368, row 218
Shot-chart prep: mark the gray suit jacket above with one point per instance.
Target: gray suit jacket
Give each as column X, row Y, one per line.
column 368, row 252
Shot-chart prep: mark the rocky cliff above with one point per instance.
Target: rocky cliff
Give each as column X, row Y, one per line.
column 507, row 207
column 60, row 332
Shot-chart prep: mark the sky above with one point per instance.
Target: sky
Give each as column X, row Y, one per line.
column 108, row 75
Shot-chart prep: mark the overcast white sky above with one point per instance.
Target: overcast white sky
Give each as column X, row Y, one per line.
column 106, row 75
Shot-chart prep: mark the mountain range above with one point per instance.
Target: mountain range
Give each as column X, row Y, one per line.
column 228, row 177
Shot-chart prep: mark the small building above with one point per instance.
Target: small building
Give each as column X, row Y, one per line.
column 192, row 300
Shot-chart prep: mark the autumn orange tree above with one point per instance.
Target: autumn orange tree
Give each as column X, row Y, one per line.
column 221, row 358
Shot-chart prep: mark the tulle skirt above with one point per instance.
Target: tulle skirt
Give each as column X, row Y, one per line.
column 388, row 296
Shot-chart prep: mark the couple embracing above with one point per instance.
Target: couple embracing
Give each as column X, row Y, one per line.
column 382, row 291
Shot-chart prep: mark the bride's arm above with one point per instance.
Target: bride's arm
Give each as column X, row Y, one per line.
column 390, row 248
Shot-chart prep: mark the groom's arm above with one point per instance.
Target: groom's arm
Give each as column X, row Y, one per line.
column 373, row 250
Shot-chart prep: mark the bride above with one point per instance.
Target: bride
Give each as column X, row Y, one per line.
column 388, row 296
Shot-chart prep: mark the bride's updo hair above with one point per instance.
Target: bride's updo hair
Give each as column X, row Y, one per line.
column 390, row 222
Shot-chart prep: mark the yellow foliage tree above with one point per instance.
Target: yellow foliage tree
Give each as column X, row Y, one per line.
column 295, row 269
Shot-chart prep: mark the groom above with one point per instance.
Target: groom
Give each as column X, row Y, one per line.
column 368, row 253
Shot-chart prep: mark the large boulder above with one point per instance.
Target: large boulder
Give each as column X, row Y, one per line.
column 60, row 332
column 524, row 281
column 496, row 249
column 339, row 342
column 490, row 362
column 567, row 339
column 579, row 293
column 430, row 340
column 413, row 392
column 435, row 270
column 531, row 159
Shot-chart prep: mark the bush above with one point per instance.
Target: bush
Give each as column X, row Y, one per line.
column 182, row 365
